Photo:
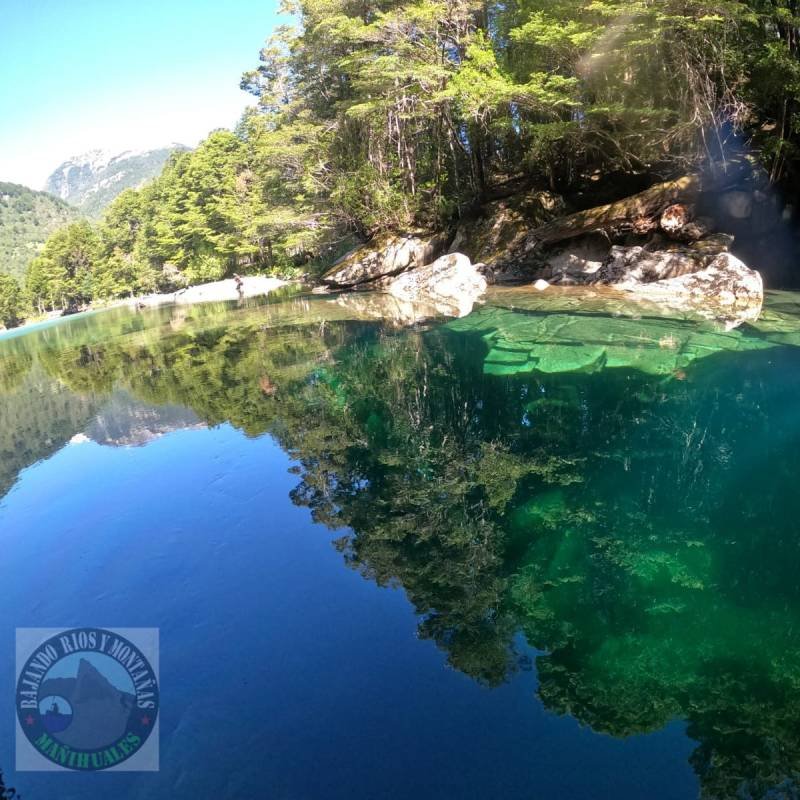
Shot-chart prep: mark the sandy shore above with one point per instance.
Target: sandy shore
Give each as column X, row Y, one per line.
column 218, row 291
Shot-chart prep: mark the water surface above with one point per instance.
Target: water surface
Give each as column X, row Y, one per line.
column 548, row 550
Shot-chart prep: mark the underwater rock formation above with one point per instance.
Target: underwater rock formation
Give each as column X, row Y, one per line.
column 558, row 332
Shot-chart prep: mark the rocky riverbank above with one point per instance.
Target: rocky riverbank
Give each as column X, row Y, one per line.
column 669, row 245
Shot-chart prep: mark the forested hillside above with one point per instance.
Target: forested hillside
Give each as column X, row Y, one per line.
column 27, row 218
column 377, row 116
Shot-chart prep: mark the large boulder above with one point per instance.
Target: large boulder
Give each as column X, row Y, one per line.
column 726, row 290
column 638, row 264
column 392, row 310
column 383, row 257
column 701, row 277
column 500, row 237
column 590, row 260
column 451, row 281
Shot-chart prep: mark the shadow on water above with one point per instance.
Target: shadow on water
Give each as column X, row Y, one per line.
column 7, row 792
column 622, row 492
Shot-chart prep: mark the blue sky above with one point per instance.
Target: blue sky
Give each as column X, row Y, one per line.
column 77, row 75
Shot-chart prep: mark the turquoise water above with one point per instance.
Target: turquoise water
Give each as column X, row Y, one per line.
column 549, row 550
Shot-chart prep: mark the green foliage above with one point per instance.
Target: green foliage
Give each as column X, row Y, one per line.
column 27, row 218
column 425, row 105
column 206, row 217
column 11, row 302
column 382, row 116
column 62, row 276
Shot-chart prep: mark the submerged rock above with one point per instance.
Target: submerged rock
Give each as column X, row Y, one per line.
column 566, row 332
column 383, row 257
column 452, row 280
column 778, row 321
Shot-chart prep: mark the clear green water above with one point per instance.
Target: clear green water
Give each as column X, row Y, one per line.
column 587, row 524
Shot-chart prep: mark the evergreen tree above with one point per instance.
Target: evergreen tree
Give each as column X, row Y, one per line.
column 11, row 304
column 62, row 276
column 379, row 116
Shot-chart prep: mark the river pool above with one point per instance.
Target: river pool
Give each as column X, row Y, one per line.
column 548, row 550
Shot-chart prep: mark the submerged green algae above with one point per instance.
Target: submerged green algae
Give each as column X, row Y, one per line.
column 564, row 333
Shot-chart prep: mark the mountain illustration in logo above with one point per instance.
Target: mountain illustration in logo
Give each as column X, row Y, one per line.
column 100, row 711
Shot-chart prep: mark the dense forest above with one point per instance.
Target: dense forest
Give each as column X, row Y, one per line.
column 377, row 115
column 27, row 218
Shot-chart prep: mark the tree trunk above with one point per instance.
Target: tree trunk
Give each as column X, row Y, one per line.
column 639, row 213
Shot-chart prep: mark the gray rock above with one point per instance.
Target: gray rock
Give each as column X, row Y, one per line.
column 658, row 261
column 501, row 238
column 699, row 228
column 634, row 265
column 577, row 263
column 702, row 277
column 726, row 290
column 383, row 257
column 713, row 245
column 451, row 281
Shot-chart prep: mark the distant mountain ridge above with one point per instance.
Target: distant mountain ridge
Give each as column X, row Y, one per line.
column 126, row 422
column 27, row 218
column 92, row 180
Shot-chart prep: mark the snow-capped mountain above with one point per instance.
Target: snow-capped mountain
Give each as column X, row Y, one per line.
column 92, row 180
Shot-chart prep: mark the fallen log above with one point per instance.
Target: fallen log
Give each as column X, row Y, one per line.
column 639, row 213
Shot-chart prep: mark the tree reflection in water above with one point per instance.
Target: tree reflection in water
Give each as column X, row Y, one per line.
column 638, row 526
